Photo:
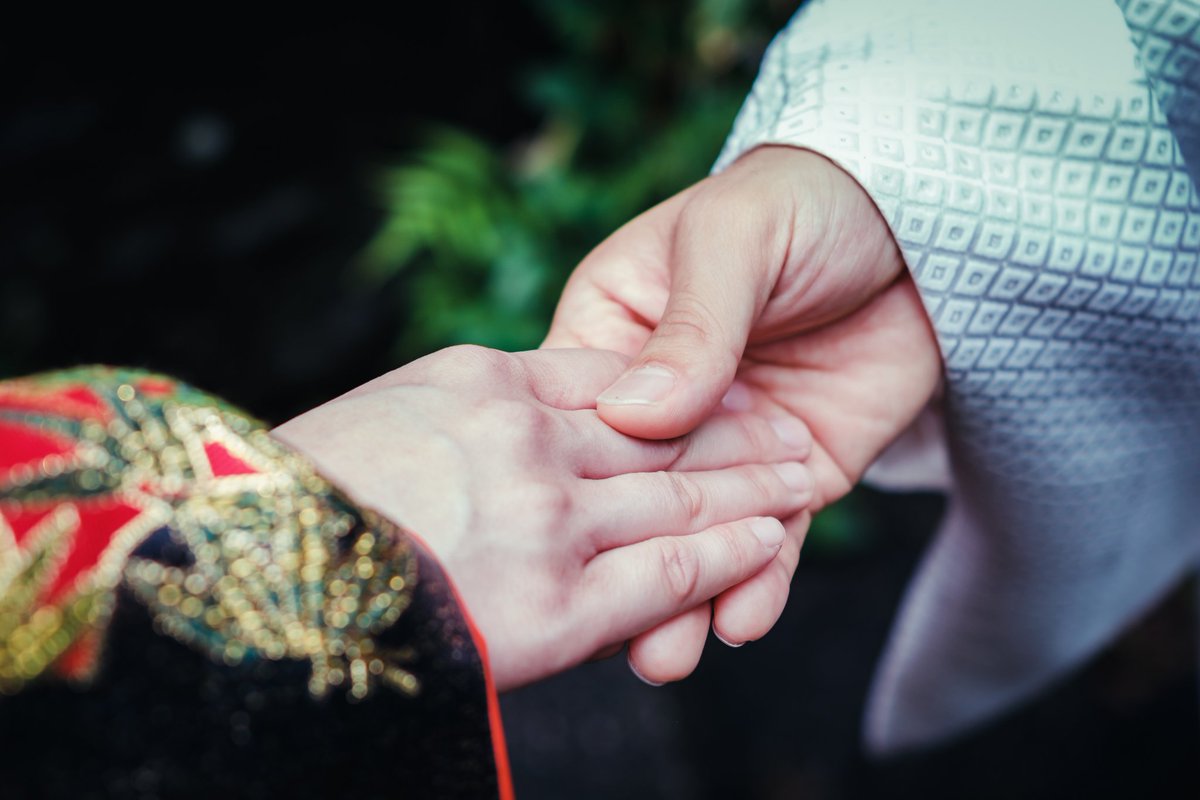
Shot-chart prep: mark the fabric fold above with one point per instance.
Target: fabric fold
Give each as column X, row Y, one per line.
column 1043, row 203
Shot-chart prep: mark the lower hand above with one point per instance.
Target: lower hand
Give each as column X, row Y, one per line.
column 563, row 536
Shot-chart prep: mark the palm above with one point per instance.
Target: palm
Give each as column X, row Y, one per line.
column 857, row 375
column 857, row 383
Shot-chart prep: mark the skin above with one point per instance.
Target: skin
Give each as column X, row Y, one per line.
column 563, row 536
column 773, row 287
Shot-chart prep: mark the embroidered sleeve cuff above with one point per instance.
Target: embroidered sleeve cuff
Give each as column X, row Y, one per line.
column 125, row 494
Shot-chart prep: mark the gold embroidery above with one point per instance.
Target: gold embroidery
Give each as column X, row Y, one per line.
column 280, row 566
column 34, row 635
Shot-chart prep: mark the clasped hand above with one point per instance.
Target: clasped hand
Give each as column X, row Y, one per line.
column 777, row 287
column 752, row 344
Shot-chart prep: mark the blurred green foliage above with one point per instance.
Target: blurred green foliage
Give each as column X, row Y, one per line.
column 633, row 107
column 479, row 236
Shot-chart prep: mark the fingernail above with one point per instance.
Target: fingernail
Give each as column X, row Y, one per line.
column 768, row 530
column 791, row 432
column 794, row 476
column 640, row 676
column 643, row 386
column 725, row 641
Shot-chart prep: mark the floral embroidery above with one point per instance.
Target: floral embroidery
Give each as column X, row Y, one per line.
column 278, row 565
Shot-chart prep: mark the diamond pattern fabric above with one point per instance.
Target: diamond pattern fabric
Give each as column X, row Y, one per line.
column 1036, row 164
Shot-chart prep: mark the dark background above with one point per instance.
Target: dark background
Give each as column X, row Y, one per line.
column 213, row 198
column 191, row 201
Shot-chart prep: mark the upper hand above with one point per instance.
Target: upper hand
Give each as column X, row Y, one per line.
column 777, row 286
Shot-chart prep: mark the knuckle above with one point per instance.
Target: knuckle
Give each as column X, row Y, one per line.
column 686, row 496
column 737, row 201
column 534, row 430
column 691, row 319
column 719, row 202
column 735, row 555
column 754, row 432
column 764, row 485
column 680, row 569
column 677, row 451
column 756, row 205
column 546, row 506
column 524, row 434
column 520, row 419
column 470, row 362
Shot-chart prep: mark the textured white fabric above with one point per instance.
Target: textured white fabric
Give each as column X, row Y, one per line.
column 1022, row 156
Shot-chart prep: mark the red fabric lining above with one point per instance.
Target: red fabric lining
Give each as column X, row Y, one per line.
column 21, row 444
column 155, row 387
column 21, row 519
column 80, row 659
column 225, row 463
column 499, row 745
column 99, row 521
column 73, row 402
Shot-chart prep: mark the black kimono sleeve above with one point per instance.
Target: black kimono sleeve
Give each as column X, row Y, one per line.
column 187, row 609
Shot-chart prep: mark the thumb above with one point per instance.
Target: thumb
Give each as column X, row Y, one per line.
column 725, row 257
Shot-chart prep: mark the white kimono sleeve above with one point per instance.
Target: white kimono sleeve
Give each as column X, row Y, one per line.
column 1031, row 159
